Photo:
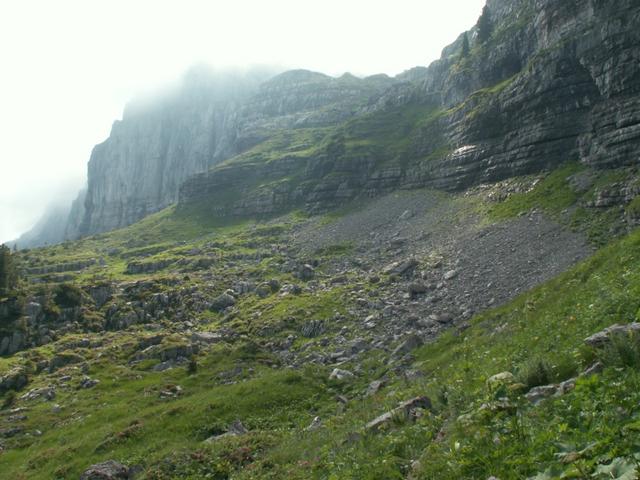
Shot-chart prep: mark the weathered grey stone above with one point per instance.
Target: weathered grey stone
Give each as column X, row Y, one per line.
column 340, row 374
column 374, row 387
column 222, row 301
column 406, row 410
column 109, row 470
column 307, row 272
column 537, row 394
column 503, row 378
column 410, row 343
column 234, row 430
column 603, row 337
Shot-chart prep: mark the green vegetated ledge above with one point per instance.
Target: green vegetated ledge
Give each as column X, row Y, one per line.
column 318, row 169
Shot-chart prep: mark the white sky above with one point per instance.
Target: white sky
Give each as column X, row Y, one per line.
column 67, row 67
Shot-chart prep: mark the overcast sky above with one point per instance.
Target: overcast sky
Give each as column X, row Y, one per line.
column 67, row 67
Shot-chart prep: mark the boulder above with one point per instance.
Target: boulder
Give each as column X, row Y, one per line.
column 307, row 272
column 222, row 301
column 417, row 288
column 410, row 343
column 400, row 268
column 109, row 470
column 502, row 378
column 602, row 338
column 14, row 380
column 537, row 394
column 339, row 374
column 407, row 410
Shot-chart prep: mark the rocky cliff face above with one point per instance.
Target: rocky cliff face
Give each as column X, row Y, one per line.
column 557, row 80
column 157, row 145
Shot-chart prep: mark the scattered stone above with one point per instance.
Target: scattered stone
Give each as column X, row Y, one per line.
column 207, row 337
column 410, row 343
column 48, row 393
column 566, row 386
column 594, row 369
column 374, row 387
column 406, row 410
column 450, row 275
column 14, row 380
column 10, row 432
column 263, row 290
column 415, row 289
column 64, row 359
column 88, row 382
column 602, row 338
column 307, row 272
column 498, row 405
column 537, row 394
column 315, row 424
column 222, row 301
column 339, row 374
column 402, row 267
column 171, row 391
column 234, row 430
column 499, row 379
column 109, row 470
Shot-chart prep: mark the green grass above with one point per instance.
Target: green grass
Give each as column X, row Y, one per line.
column 90, row 427
column 552, row 194
column 548, row 323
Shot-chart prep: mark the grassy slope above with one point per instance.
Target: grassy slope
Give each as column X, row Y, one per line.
column 125, row 418
column 548, row 323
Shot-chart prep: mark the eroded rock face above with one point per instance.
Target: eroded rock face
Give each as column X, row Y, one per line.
column 559, row 80
column 138, row 170
column 109, row 470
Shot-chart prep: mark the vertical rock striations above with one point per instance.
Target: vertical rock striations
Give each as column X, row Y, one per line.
column 158, row 144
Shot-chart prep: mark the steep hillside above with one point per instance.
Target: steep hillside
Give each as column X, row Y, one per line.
column 181, row 347
column 553, row 81
column 140, row 167
column 435, row 276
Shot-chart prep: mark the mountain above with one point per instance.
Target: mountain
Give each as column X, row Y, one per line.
column 430, row 276
column 138, row 170
column 556, row 81
column 58, row 223
column 532, row 96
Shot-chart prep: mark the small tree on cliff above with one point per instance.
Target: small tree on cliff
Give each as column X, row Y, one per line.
column 465, row 45
column 8, row 271
column 485, row 25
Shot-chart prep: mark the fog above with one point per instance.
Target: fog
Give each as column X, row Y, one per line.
column 68, row 67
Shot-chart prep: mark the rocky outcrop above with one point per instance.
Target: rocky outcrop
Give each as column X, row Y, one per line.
column 158, row 144
column 557, row 81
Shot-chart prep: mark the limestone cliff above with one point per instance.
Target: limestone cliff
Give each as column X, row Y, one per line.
column 157, row 145
column 557, row 80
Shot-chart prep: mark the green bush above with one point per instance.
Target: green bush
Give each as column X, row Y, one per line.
column 535, row 373
column 67, row 296
column 622, row 351
column 9, row 399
